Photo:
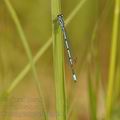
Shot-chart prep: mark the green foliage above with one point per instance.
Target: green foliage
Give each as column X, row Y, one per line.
column 90, row 24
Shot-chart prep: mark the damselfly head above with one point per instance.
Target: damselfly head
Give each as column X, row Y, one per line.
column 60, row 19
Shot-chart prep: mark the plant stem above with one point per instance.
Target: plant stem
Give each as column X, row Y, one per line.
column 58, row 58
column 91, row 90
column 111, row 75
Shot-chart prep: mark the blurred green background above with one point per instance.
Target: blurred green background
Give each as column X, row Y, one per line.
column 35, row 18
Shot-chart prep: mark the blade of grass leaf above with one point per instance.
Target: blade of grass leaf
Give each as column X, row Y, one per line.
column 25, row 71
column 116, row 109
column 113, row 52
column 58, row 59
column 28, row 52
column 117, row 84
column 91, row 91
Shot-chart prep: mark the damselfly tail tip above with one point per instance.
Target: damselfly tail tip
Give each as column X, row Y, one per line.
column 74, row 77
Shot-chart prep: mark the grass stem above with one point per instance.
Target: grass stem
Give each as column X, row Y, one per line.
column 113, row 52
column 58, row 57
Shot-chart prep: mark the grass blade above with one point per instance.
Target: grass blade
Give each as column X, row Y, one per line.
column 113, row 52
column 91, row 91
column 58, row 57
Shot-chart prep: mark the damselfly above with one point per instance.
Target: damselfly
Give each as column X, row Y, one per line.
column 61, row 23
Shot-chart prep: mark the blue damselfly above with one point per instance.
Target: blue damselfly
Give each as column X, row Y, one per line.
column 62, row 25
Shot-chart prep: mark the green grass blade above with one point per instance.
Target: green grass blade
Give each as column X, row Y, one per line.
column 117, row 84
column 91, row 92
column 92, row 100
column 25, row 71
column 28, row 51
column 111, row 76
column 58, row 57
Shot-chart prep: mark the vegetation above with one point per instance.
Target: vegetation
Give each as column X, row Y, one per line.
column 35, row 77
